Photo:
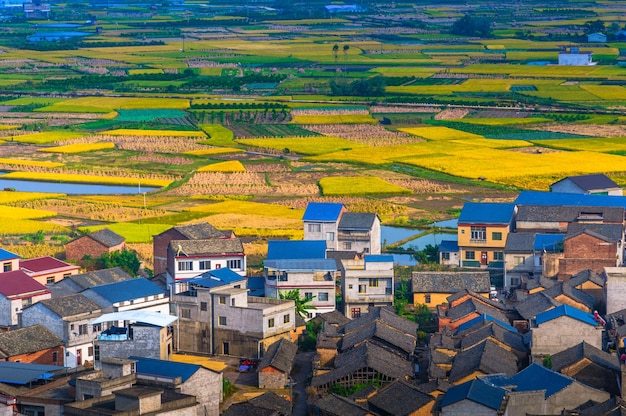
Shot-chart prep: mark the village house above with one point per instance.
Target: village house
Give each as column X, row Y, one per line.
column 69, row 318
column 47, row 270
column 320, row 222
column 433, row 288
column 32, row 344
column 10, row 261
column 275, row 367
column 267, row 404
column 94, row 245
column 17, row 291
column 575, row 57
column 474, row 397
column 78, row 282
column 592, row 184
column 366, row 283
column 401, row 398
column 466, row 306
column 448, row 253
column 132, row 294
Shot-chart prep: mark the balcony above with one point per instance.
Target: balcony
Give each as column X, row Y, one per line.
column 114, row 334
column 478, row 241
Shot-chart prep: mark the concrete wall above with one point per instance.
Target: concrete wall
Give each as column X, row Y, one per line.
column 315, row 282
column 356, row 273
column 325, row 228
column 206, row 385
column 147, row 341
column 561, row 333
column 467, row 408
column 574, row 59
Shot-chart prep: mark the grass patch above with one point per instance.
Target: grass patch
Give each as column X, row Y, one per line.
column 249, row 208
column 133, row 233
column 359, row 185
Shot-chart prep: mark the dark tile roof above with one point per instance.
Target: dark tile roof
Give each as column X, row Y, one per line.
column 296, row 249
column 356, row 221
column 27, row 340
column 433, row 385
column 377, row 330
column 201, row 247
column 17, row 282
column 465, row 292
column 200, row 231
column 107, row 237
column 450, row 282
column 335, row 318
column 477, row 391
column 535, row 304
column 365, row 355
column 482, row 320
column 71, row 305
column 515, row 340
column 473, row 306
column 332, row 404
column 364, row 393
column 486, row 357
column 386, row 315
column 572, row 293
column 590, row 182
column 339, row 255
column 583, row 350
column 328, row 341
column 586, row 276
column 534, row 283
column 248, row 409
column 590, row 233
column 279, row 355
column 399, row 398
column 444, row 340
column 272, row 401
column 99, row 277
column 612, row 232
column 519, row 242
column 612, row 407
column 558, row 213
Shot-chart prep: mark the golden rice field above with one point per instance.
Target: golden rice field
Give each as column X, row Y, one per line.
column 133, row 233
column 154, row 133
column 359, row 185
column 603, row 145
column 80, row 178
column 315, row 145
column 9, row 197
column 26, row 226
column 46, row 137
column 107, row 104
column 335, row 119
column 17, row 213
column 213, row 151
column 78, row 148
column 145, row 71
column 440, row 133
column 34, row 163
column 228, row 166
column 250, row 208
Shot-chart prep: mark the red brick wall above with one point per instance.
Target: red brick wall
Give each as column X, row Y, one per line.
column 159, row 248
column 584, row 252
column 41, row 357
column 77, row 249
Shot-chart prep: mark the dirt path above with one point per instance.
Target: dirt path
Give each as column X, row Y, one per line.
column 302, row 370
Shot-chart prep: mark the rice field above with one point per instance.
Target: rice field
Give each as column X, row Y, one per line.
column 107, row 104
column 133, row 233
column 228, row 166
column 9, row 197
column 27, row 226
column 154, row 133
column 359, row 185
column 17, row 213
column 335, row 119
column 78, row 148
column 46, row 137
column 440, row 133
column 213, row 151
column 314, row 145
column 29, row 163
column 250, row 208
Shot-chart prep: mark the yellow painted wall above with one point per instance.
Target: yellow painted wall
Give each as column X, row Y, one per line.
column 435, row 299
column 464, row 233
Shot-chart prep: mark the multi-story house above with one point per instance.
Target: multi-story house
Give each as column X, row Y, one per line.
column 129, row 295
column 321, row 220
column 313, row 278
column 17, row 291
column 483, row 229
column 359, row 232
column 69, row 318
column 10, row 261
column 48, row 270
column 216, row 316
column 366, row 283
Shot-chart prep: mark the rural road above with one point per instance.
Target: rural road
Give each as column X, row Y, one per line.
column 303, row 368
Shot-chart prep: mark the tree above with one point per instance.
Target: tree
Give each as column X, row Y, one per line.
column 336, row 52
column 470, row 25
column 125, row 259
column 430, row 254
column 345, row 59
column 594, row 26
column 303, row 305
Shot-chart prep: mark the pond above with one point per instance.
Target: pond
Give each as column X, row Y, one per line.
column 70, row 188
column 390, row 235
column 404, row 260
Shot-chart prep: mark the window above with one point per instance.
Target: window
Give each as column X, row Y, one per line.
column 362, row 288
column 232, row 302
column 469, row 255
column 82, row 329
column 309, row 315
column 322, row 296
column 270, row 323
column 427, row 298
column 498, row 255
column 445, row 255
column 96, row 352
column 26, row 302
column 315, row 228
column 373, row 282
column 517, row 260
column 205, row 265
column 221, row 321
column 496, row 236
column 347, row 246
column 308, row 295
column 286, row 319
column 90, row 351
column 222, row 300
column 67, row 275
column 6, row 267
column 350, row 286
column 96, row 327
column 185, row 313
column 203, row 306
column 478, row 233
column 330, row 236
column 355, row 312
column 514, row 281
column 185, row 265
column 234, row 264
column 55, row 356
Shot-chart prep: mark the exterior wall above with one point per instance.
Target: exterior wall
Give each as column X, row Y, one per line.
column 583, row 252
column 323, row 234
column 453, row 261
column 272, row 378
column 615, row 289
column 561, row 333
column 159, row 248
column 467, row 408
column 573, row 303
column 543, row 226
column 48, row 278
column 146, row 341
column 206, row 385
column 77, row 249
column 361, row 241
column 217, row 262
column 575, row 59
column 435, row 299
column 524, row 403
column 94, row 385
column 10, row 265
column 315, row 282
column 483, row 250
column 573, row 396
column 193, row 336
column 359, row 275
column 45, row 356
column 11, row 309
column 326, row 357
column 550, row 264
column 254, row 319
column 517, row 265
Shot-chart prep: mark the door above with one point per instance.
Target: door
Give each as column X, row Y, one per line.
column 483, row 258
column 79, row 357
column 226, row 347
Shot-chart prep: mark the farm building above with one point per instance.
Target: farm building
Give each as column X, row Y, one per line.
column 575, row 57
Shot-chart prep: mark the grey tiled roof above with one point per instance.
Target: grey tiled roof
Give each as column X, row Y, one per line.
column 399, row 398
column 535, row 304
column 571, row 292
column 334, row 318
column 612, row 232
column 486, row 357
column 107, row 237
column 584, row 276
column 492, row 330
column 272, row 401
column 583, row 350
column 200, row 247
column 559, row 213
column 356, row 221
column 520, row 243
column 331, row 404
column 377, row 330
column 386, row 315
column 71, row 305
column 590, row 182
column 27, row 340
column 473, row 306
column 100, row 277
column 533, row 283
column 450, row 282
column 280, row 355
column 200, row 231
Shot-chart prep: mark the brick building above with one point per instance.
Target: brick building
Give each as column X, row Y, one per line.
column 94, row 244
column 587, row 250
column 32, row 344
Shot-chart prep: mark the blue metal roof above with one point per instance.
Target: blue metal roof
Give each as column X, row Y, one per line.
column 304, row 264
column 548, row 242
column 24, row 373
column 296, row 249
column 322, row 211
column 485, row 318
column 565, row 310
column 476, row 391
column 165, row 368
column 451, row 246
column 486, row 213
column 537, row 377
column 564, row 199
column 215, row 278
column 378, row 258
column 127, row 290
column 7, row 255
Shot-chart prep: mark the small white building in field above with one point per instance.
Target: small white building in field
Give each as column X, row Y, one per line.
column 575, row 57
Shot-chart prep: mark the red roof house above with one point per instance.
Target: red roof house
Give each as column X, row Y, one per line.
column 17, row 290
column 48, row 270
